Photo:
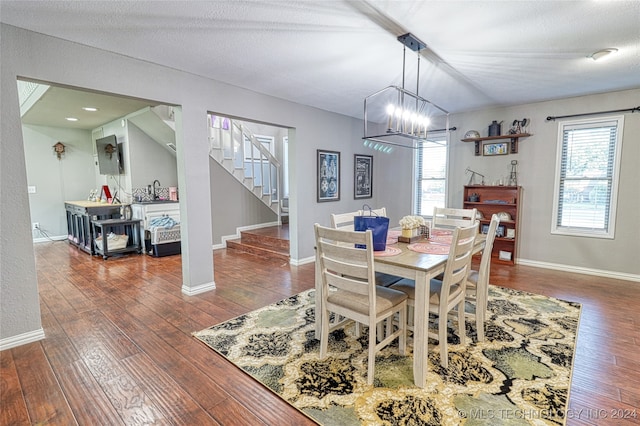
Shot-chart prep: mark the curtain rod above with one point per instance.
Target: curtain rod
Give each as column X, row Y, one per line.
column 551, row 118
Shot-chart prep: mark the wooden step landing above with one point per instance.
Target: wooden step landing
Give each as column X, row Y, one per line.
column 271, row 242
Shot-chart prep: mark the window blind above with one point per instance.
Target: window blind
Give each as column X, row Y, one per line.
column 431, row 173
column 586, row 178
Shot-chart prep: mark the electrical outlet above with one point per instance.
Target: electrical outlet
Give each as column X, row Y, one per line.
column 35, row 225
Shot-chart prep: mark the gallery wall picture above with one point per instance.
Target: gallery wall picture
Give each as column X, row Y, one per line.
column 362, row 176
column 328, row 175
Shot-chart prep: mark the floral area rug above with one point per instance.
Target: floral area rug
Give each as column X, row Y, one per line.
column 520, row 374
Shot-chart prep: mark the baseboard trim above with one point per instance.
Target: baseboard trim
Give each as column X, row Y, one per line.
column 304, row 261
column 48, row 240
column 580, row 270
column 21, row 339
column 202, row 288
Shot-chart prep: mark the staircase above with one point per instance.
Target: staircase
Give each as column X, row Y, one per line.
column 239, row 152
column 271, row 242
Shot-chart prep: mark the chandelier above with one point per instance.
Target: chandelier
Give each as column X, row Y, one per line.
column 407, row 115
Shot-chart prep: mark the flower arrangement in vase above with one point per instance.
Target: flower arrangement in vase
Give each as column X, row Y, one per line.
column 411, row 225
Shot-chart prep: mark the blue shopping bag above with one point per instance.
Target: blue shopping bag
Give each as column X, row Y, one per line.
column 379, row 226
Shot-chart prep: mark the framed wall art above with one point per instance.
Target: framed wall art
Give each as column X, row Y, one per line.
column 362, row 176
column 328, row 171
column 501, row 148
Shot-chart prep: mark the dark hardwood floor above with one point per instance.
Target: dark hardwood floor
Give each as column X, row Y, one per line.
column 119, row 350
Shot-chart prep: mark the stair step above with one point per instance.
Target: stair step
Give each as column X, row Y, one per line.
column 259, row 249
column 266, row 241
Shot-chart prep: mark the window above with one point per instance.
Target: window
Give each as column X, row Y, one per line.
column 587, row 169
column 249, row 150
column 431, row 174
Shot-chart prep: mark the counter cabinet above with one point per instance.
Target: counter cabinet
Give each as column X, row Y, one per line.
column 80, row 217
column 129, row 229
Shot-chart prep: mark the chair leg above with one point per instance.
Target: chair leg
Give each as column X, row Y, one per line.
column 461, row 324
column 324, row 334
column 442, row 337
column 381, row 329
column 372, row 352
column 481, row 313
column 402, row 325
column 410, row 315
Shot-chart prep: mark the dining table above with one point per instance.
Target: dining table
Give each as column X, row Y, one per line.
column 418, row 264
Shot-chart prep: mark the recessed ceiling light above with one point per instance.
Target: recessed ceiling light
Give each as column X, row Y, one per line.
column 601, row 54
column 90, row 109
column 71, row 119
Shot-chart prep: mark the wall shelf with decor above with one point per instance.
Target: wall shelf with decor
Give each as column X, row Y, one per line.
column 498, row 199
column 513, row 138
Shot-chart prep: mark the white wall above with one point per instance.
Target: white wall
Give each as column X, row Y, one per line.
column 536, row 173
column 232, row 205
column 149, row 161
column 56, row 181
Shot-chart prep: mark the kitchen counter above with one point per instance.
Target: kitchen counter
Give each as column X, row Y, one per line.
column 156, row 202
column 81, row 215
column 91, row 204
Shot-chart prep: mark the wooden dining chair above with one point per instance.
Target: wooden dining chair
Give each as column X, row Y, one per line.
column 477, row 290
column 448, row 293
column 382, row 211
column 348, row 290
column 448, row 218
column 343, row 221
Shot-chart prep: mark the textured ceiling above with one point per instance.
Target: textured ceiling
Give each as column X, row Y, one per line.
column 331, row 54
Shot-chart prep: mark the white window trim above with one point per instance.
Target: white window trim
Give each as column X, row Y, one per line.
column 583, row 232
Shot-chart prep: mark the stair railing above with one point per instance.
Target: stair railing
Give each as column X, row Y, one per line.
column 257, row 169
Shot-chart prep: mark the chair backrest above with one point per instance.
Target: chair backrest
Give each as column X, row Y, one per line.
column 284, row 205
column 382, row 211
column 459, row 261
column 344, row 266
column 485, row 261
column 343, row 221
column 447, row 218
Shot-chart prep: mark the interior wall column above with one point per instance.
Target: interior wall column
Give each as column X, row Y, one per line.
column 195, row 199
column 20, row 321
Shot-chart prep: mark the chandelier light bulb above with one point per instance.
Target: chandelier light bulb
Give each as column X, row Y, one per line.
column 398, row 118
column 414, row 119
column 406, row 114
column 425, row 123
column 390, row 110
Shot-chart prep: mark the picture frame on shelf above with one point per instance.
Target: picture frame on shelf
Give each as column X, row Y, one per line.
column 500, row 148
column 511, row 233
column 328, row 175
column 362, row 176
column 500, row 230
